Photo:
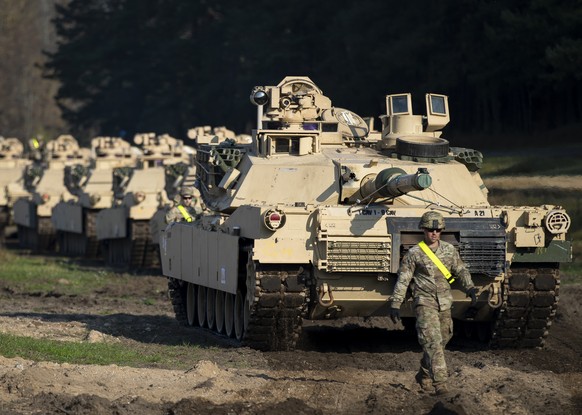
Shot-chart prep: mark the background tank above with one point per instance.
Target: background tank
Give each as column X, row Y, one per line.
column 313, row 217
column 44, row 179
column 112, row 162
column 124, row 228
column 13, row 163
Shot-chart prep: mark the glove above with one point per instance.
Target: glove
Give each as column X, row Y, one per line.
column 472, row 292
column 395, row 315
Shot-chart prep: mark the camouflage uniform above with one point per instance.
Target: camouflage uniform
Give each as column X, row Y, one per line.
column 182, row 210
column 432, row 303
column 174, row 214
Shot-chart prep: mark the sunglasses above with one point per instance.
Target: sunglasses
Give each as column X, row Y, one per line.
column 433, row 230
column 186, row 197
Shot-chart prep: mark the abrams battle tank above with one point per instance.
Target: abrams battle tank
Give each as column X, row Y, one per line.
column 12, row 166
column 124, row 228
column 45, row 180
column 313, row 217
column 94, row 187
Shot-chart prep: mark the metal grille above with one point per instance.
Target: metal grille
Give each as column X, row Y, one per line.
column 351, row 256
column 483, row 256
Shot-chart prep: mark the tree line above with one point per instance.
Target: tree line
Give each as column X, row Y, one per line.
column 127, row 66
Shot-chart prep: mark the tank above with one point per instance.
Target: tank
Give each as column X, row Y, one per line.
column 94, row 188
column 45, row 182
column 124, row 228
column 13, row 163
column 311, row 219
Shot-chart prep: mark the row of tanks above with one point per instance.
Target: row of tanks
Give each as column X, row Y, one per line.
column 107, row 201
column 309, row 220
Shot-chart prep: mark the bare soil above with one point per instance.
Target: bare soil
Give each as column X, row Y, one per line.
column 352, row 367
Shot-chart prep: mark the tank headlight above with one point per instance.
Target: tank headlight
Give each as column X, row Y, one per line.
column 504, row 219
column 94, row 199
column 139, row 197
column 557, row 222
column 274, row 219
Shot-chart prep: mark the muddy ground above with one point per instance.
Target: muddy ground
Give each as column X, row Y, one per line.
column 358, row 368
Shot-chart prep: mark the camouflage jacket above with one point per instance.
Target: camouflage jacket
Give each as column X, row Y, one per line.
column 430, row 287
column 174, row 214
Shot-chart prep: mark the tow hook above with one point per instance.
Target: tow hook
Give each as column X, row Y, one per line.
column 494, row 298
column 324, row 290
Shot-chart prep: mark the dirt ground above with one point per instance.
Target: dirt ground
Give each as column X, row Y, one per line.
column 358, row 368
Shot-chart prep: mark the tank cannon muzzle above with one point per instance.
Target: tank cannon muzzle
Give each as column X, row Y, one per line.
column 394, row 182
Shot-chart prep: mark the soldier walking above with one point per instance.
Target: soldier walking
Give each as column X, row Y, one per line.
column 187, row 209
column 432, row 266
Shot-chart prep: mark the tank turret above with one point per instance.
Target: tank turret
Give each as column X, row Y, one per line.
column 311, row 219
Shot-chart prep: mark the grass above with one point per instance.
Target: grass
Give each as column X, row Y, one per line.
column 49, row 274
column 98, row 353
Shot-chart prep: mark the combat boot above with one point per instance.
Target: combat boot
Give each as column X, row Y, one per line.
column 441, row 389
column 424, row 382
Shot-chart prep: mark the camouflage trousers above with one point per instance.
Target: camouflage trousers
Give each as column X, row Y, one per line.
column 434, row 329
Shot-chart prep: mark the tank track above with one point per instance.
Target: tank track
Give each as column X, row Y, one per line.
column 275, row 316
column 177, row 294
column 279, row 304
column 84, row 244
column 4, row 219
column 40, row 239
column 91, row 243
column 530, row 300
column 144, row 253
column 136, row 251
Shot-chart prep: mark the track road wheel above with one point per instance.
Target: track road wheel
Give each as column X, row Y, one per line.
column 219, row 311
column 201, row 309
column 239, row 315
column 210, row 315
column 229, row 314
column 191, row 304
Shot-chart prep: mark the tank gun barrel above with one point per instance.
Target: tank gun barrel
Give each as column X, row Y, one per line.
column 394, row 182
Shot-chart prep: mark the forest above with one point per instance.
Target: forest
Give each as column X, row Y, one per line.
column 511, row 68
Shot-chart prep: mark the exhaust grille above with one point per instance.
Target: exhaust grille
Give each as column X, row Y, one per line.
column 360, row 256
column 483, row 256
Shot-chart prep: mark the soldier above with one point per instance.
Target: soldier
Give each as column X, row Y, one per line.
column 186, row 209
column 430, row 264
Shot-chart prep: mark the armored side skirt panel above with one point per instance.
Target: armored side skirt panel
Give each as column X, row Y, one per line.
column 67, row 217
column 201, row 257
column 111, row 223
column 25, row 213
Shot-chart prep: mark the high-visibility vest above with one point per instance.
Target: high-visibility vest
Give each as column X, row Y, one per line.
column 436, row 261
column 185, row 213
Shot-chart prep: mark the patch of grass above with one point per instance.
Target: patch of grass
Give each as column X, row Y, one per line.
column 97, row 353
column 53, row 275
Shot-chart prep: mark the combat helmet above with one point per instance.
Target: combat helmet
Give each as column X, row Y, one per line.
column 186, row 191
column 432, row 220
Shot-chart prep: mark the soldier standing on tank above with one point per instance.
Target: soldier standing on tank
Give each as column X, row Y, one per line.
column 186, row 208
column 432, row 297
